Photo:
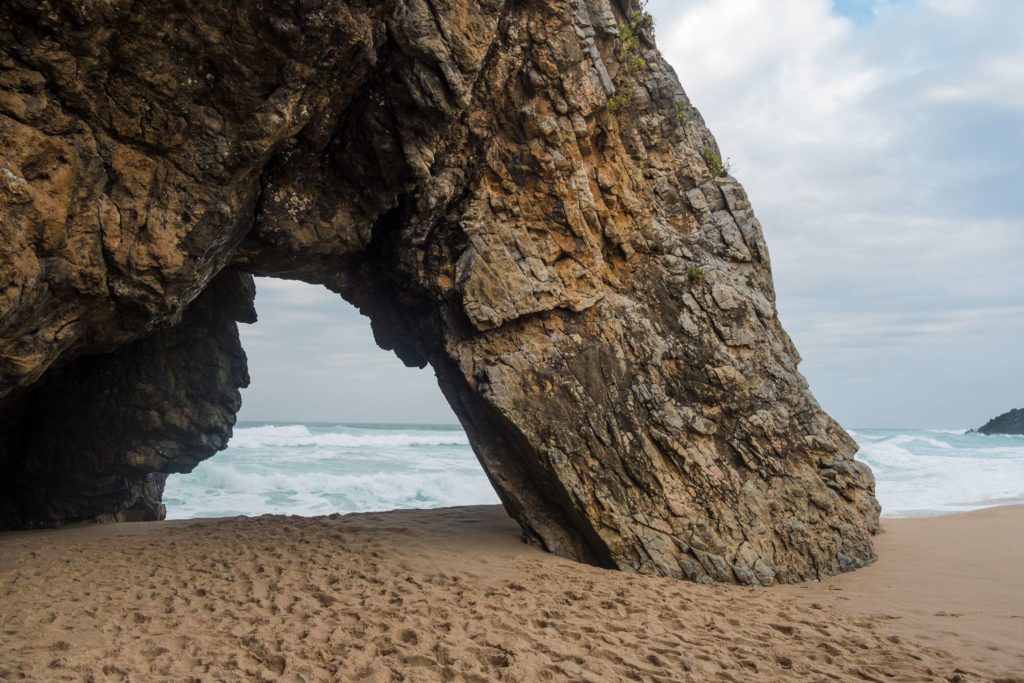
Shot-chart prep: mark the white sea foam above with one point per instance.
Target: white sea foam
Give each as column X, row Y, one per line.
column 955, row 471
column 300, row 436
column 318, row 469
column 222, row 490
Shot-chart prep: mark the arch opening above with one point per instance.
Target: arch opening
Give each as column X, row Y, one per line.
column 330, row 423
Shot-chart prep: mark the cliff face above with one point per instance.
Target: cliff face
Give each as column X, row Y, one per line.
column 518, row 193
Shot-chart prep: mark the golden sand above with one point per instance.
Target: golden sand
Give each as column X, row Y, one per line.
column 453, row 595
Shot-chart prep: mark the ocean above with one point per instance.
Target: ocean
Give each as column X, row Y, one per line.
column 318, row 469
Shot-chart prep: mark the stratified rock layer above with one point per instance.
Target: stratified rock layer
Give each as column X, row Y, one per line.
column 519, row 194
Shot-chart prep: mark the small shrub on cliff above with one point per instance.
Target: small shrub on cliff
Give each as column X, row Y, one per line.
column 695, row 274
column 714, row 163
column 629, row 38
column 634, row 63
column 641, row 19
column 681, row 115
column 623, row 96
column 619, row 102
column 629, row 54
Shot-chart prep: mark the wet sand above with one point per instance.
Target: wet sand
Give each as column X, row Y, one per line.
column 453, row 594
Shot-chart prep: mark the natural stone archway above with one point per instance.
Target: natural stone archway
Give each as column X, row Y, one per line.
column 517, row 193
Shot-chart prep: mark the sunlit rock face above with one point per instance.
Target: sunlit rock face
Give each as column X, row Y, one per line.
column 519, row 194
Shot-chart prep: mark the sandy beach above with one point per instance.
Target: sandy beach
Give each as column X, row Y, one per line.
column 453, row 594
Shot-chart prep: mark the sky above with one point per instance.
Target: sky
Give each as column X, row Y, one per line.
column 882, row 145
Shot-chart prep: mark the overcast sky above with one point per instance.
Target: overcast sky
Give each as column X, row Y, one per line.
column 882, row 145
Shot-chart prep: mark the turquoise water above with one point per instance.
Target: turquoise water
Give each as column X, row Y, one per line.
column 936, row 471
column 316, row 469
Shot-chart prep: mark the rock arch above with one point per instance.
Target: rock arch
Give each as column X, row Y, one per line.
column 517, row 193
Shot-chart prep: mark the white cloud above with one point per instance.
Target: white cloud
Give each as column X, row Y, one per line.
column 956, row 8
column 883, row 157
column 312, row 357
column 293, row 293
column 996, row 81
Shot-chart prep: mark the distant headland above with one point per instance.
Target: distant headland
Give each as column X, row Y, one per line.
column 1011, row 422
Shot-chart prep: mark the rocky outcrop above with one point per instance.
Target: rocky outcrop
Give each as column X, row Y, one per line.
column 97, row 437
column 518, row 194
column 1010, row 422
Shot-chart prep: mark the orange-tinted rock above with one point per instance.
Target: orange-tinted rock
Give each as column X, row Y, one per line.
column 510, row 192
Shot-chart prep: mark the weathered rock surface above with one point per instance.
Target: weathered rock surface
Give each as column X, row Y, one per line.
column 1010, row 422
column 519, row 194
column 99, row 436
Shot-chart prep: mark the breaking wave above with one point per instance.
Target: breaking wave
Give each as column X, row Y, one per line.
column 312, row 469
column 301, row 436
column 935, row 471
column 321, row 469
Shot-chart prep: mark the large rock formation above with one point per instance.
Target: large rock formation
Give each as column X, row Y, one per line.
column 518, row 193
column 1010, row 422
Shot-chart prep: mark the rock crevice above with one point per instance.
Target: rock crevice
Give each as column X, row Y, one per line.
column 510, row 195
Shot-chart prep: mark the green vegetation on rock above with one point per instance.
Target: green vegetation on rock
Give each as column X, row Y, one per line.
column 629, row 54
column 715, row 165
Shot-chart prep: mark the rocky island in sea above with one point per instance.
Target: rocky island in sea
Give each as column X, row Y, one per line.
column 523, row 197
